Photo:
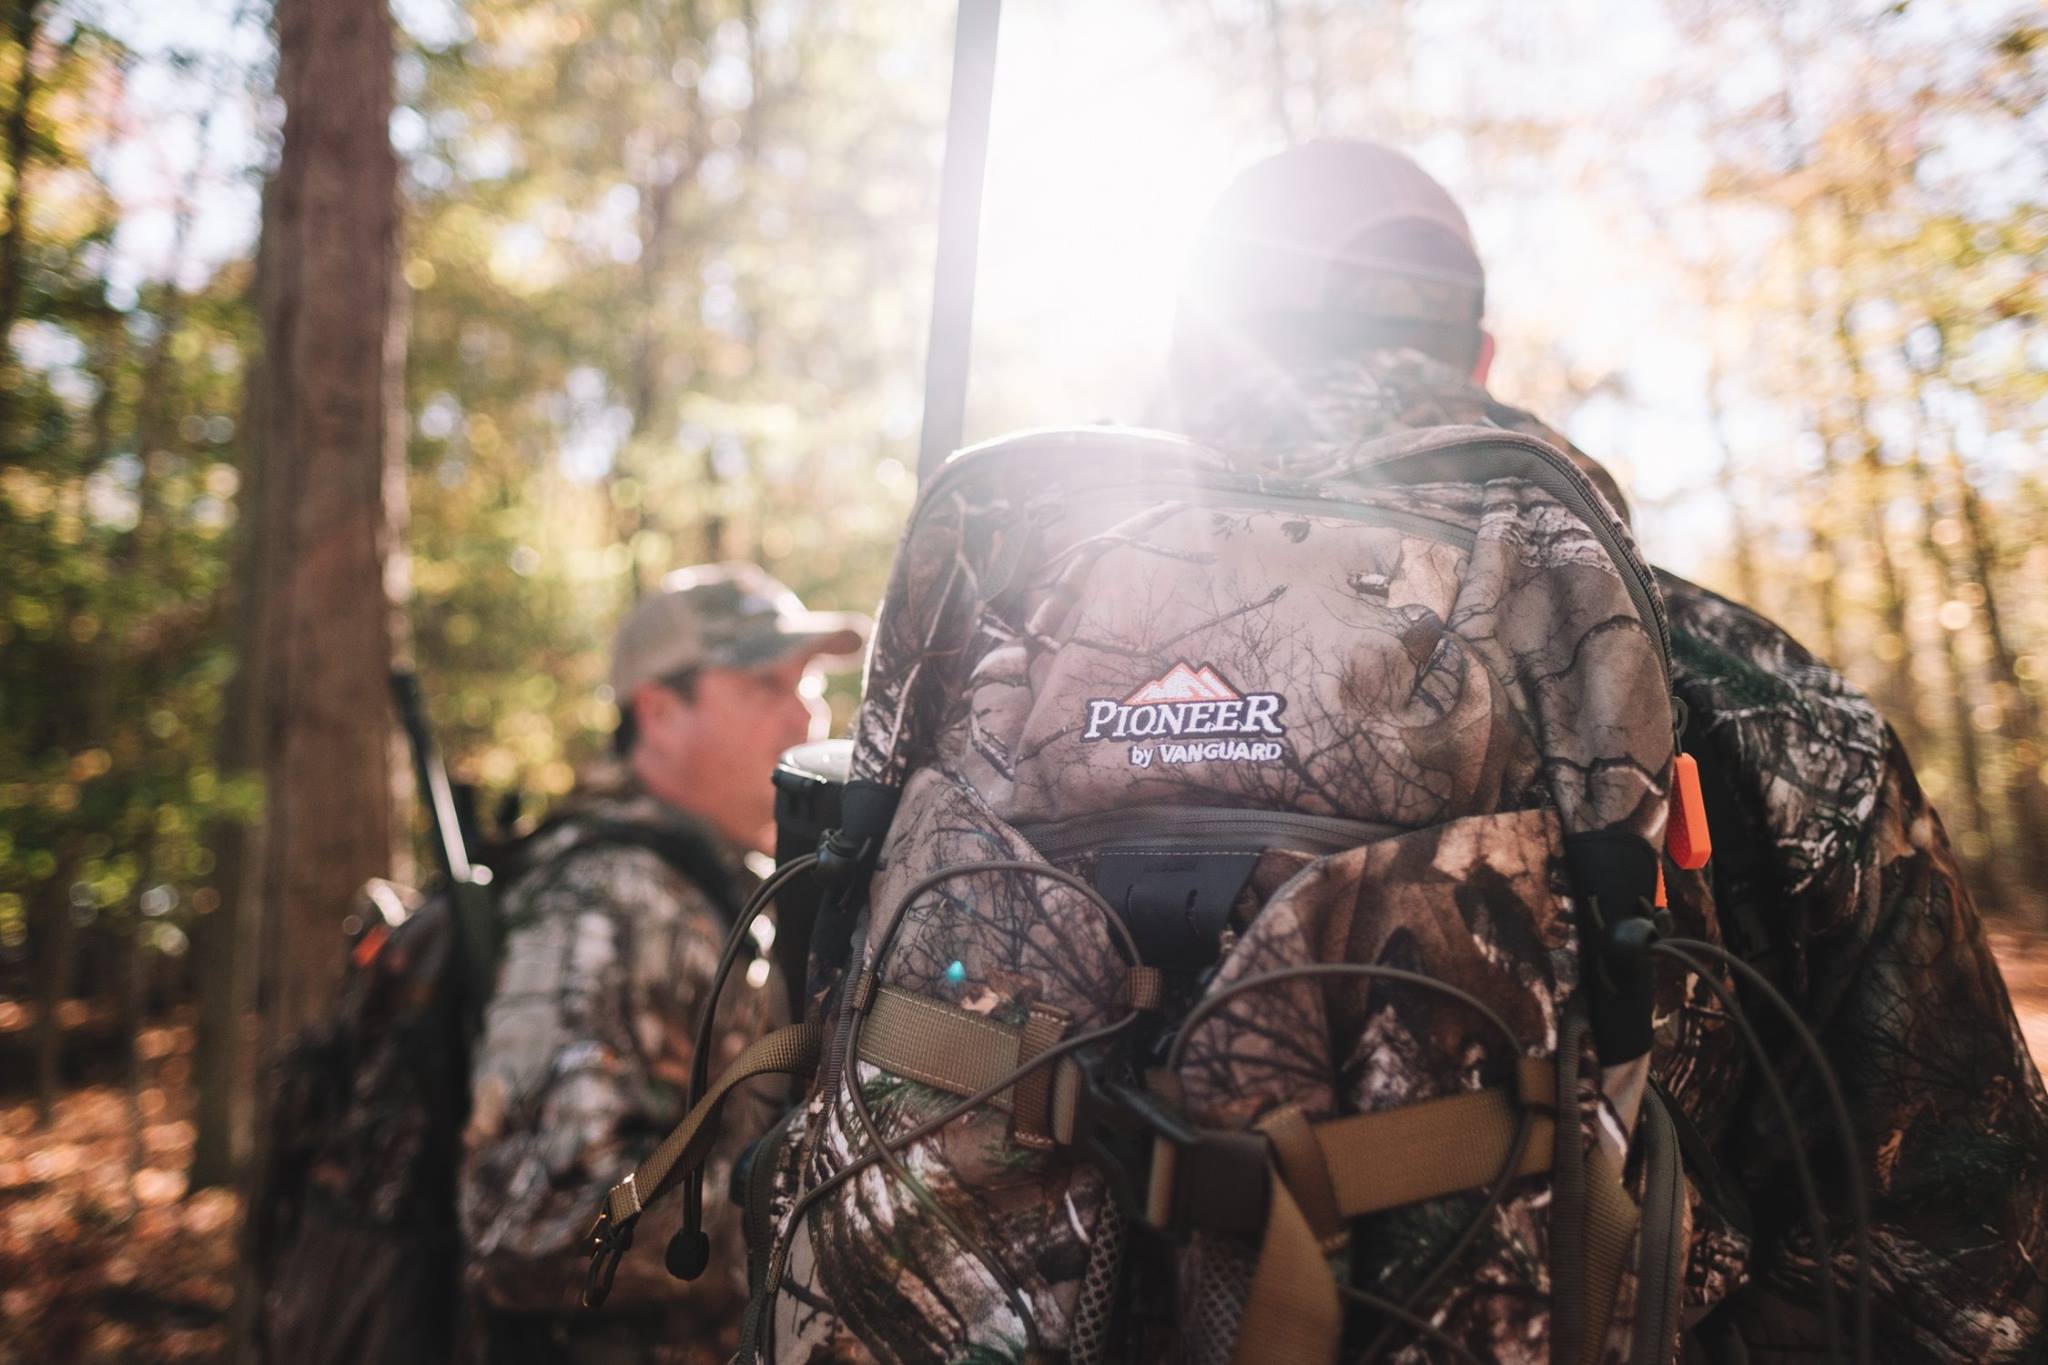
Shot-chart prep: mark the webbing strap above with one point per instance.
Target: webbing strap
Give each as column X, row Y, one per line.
column 1300, row 1162
column 1346, row 1167
column 937, row 1045
column 963, row 1054
column 1436, row 1147
column 1611, row 1219
column 1329, row 1172
column 792, row 1050
column 1032, row 1095
column 1352, row 1166
column 1291, row 1313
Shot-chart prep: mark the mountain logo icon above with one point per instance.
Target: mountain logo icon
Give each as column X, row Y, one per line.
column 1190, row 703
column 1182, row 683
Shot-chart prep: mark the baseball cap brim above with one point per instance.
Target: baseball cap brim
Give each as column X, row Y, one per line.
column 833, row 636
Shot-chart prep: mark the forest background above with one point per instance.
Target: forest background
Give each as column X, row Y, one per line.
column 554, row 295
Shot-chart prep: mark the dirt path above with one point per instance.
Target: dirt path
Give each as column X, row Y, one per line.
column 2024, row 959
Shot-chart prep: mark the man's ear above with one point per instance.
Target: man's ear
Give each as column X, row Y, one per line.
column 652, row 704
column 1484, row 361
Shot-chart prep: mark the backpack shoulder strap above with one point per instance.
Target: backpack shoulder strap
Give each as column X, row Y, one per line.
column 682, row 843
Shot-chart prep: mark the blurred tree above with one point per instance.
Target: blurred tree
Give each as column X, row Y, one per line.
column 23, row 25
column 669, row 263
column 114, row 500
column 329, row 412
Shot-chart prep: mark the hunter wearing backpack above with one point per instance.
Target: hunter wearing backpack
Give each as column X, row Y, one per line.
column 609, row 948
column 1312, row 892
column 506, row 1048
column 1343, row 303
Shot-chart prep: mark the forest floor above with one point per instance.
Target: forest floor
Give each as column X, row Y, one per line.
column 2024, row 959
column 102, row 1256
column 104, row 1259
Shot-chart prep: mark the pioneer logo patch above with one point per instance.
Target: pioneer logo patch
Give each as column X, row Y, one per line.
column 1190, row 715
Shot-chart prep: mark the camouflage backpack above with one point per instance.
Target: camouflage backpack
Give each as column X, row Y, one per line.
column 351, row 1228
column 1238, row 950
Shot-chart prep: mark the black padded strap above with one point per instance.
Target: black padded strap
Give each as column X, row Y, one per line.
column 681, row 841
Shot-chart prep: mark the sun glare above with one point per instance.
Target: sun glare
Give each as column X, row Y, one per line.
column 1105, row 148
column 1113, row 128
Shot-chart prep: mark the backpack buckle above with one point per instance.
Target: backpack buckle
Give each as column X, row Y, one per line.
column 608, row 1246
column 1175, row 1177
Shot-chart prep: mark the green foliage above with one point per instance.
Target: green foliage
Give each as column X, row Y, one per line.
column 117, row 503
column 669, row 266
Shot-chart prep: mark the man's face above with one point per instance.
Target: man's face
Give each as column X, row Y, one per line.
column 713, row 754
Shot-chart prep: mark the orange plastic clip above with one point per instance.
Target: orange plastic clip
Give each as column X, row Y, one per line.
column 1685, row 835
column 370, row 944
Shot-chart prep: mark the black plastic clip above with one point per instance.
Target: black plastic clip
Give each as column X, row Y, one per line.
column 839, row 857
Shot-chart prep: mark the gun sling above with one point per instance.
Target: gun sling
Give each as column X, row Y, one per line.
column 789, row 1051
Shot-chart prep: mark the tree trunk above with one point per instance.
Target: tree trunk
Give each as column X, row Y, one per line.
column 1896, row 692
column 22, row 25
column 2019, row 719
column 319, row 624
column 1985, row 872
column 55, row 965
column 331, row 366
column 134, row 988
column 223, row 951
column 1743, row 551
column 679, row 165
column 221, row 985
column 1823, row 539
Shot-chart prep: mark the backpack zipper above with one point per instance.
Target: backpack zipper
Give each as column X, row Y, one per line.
column 1188, row 826
column 1555, row 474
column 1344, row 509
column 1530, row 459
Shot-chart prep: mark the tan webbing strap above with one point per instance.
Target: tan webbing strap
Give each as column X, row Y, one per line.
column 1032, row 1095
column 1436, row 1147
column 792, row 1050
column 937, row 1045
column 1611, row 1219
column 964, row 1054
column 1145, row 988
column 1066, row 1099
column 1291, row 1313
column 1568, row 1197
column 1300, row 1159
column 1536, row 1083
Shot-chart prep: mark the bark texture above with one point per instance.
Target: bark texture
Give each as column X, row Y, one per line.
column 331, row 496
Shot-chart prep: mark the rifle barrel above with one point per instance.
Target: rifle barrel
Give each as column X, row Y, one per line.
column 433, row 778
column 960, row 181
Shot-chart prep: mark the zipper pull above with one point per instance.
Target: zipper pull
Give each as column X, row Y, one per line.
column 1685, row 833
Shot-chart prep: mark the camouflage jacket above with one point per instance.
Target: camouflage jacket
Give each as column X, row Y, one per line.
column 579, row 1072
column 1832, row 874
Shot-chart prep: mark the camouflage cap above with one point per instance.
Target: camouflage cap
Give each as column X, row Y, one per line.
column 724, row 616
column 1337, row 226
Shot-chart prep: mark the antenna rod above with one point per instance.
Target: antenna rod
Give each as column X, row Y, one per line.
column 960, row 182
